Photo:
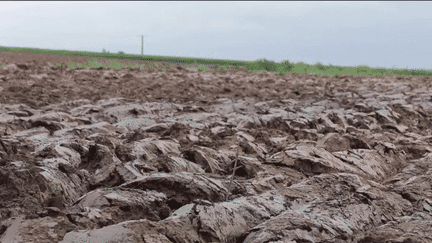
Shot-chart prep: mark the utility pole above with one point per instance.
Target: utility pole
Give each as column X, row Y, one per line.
column 142, row 44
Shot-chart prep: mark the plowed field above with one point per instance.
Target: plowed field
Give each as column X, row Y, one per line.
column 169, row 153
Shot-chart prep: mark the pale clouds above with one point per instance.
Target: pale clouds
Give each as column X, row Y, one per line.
column 383, row 34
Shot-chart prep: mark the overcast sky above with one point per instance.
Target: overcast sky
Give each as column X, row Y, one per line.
column 378, row 34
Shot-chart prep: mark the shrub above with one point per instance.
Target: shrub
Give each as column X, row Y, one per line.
column 264, row 64
column 320, row 66
column 286, row 66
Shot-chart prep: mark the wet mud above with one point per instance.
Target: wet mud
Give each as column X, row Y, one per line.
column 175, row 154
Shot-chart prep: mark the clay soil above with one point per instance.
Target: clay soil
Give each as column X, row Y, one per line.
column 175, row 154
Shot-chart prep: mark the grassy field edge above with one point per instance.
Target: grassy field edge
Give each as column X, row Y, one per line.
column 203, row 63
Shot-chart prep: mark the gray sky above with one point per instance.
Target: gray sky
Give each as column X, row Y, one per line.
column 378, row 34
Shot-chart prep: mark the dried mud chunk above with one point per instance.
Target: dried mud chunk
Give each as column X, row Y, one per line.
column 104, row 140
column 221, row 132
column 388, row 236
column 246, row 167
column 67, row 169
column 334, row 142
column 278, row 123
column 305, row 134
column 46, row 229
column 128, row 76
column 18, row 89
column 8, row 190
column 177, row 131
column 161, row 163
column 193, row 186
column 4, row 147
column 357, row 143
column 51, row 126
column 198, row 156
column 124, row 153
column 156, row 128
column 22, row 66
column 48, row 152
column 78, row 148
column 135, row 136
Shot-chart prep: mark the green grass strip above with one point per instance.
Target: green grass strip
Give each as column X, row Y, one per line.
column 202, row 64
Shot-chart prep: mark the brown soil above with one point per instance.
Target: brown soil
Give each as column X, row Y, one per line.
column 148, row 155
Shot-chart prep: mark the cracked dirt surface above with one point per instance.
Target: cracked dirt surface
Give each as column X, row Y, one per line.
column 149, row 155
